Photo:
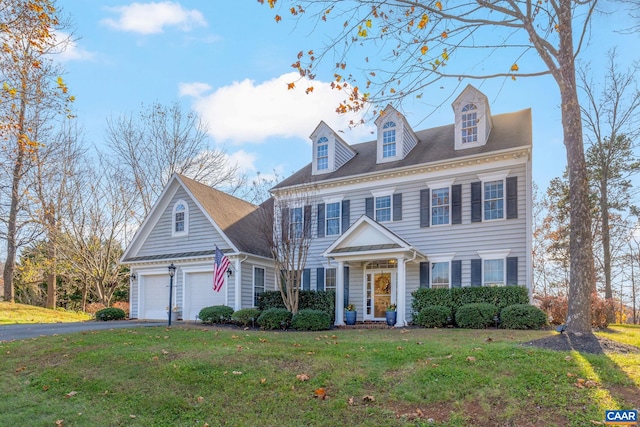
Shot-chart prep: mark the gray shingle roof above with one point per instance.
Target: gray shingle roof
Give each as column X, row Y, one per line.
column 511, row 130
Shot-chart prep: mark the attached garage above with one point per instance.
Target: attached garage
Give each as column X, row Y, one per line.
column 199, row 294
column 154, row 297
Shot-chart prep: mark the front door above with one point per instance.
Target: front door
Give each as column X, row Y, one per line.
column 378, row 289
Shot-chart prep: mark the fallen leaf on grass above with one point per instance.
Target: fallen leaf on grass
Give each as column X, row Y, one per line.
column 296, row 345
column 320, row 393
column 263, row 380
column 235, row 337
column 369, row 398
column 449, row 356
column 471, row 359
column 334, row 337
column 598, row 423
column 488, row 339
column 45, row 387
column 262, row 339
column 200, row 399
column 239, row 347
column 154, row 358
column 165, row 352
column 569, row 374
column 350, row 401
column 59, row 423
column 567, row 358
column 399, row 347
column 237, row 373
column 21, row 368
column 302, row 377
column 133, row 416
column 70, row 394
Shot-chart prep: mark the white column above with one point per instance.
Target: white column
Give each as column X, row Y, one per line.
column 340, row 295
column 238, row 277
column 401, row 299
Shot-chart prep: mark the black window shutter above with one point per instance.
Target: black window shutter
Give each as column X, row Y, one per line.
column 346, row 286
column 425, row 202
column 368, row 207
column 397, row 207
column 512, row 197
column 320, row 220
column 476, row 272
column 306, row 279
column 476, row 201
column 424, row 275
column 284, row 223
column 307, row 221
column 345, row 215
column 456, row 273
column 456, row 204
column 320, row 279
column 512, row 271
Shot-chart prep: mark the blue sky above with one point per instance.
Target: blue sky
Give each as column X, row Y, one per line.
column 230, row 62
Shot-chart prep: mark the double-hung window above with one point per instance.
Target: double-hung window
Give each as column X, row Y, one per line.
column 494, row 264
column 389, row 140
column 258, row 284
column 493, row 200
column 440, row 206
column 323, row 153
column 296, row 223
column 383, row 208
column 469, row 123
column 330, row 279
column 440, row 275
column 333, row 218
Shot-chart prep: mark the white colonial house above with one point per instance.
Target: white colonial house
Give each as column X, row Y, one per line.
column 445, row 207
column 184, row 227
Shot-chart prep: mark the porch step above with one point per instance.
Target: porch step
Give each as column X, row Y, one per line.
column 366, row 325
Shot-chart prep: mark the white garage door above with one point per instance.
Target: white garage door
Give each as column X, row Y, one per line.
column 199, row 294
column 155, row 297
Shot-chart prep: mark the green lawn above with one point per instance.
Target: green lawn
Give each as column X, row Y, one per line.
column 198, row 376
column 21, row 313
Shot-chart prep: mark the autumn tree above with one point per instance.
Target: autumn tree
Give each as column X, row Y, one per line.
column 158, row 141
column 31, row 85
column 420, row 42
column 610, row 114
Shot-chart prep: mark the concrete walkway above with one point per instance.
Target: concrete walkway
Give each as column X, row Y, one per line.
column 25, row 331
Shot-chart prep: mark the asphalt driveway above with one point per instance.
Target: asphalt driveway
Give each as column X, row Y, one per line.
column 25, row 331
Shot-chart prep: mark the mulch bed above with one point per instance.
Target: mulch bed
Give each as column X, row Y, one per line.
column 587, row 343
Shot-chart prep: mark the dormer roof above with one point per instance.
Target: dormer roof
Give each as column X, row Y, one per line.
column 329, row 150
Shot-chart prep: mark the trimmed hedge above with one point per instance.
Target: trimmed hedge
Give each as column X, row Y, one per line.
column 311, row 320
column 454, row 298
column 275, row 318
column 477, row 315
column 432, row 316
column 216, row 314
column 522, row 316
column 314, row 300
column 246, row 316
column 110, row 313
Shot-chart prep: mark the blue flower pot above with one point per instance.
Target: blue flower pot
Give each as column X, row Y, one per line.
column 350, row 317
column 391, row 317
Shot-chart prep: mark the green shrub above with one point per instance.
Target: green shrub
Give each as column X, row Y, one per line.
column 311, row 320
column 433, row 316
column 315, row 300
column 110, row 313
column 275, row 318
column 500, row 296
column 215, row 314
column 522, row 316
column 246, row 316
column 477, row 315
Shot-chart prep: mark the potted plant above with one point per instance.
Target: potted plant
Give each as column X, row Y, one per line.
column 351, row 314
column 391, row 314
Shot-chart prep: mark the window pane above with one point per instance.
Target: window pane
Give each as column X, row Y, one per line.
column 330, row 279
column 493, row 272
column 179, row 221
column 295, row 223
column 469, row 123
column 383, row 208
column 323, row 156
column 493, row 200
column 333, row 218
column 258, row 284
column 440, row 275
column 440, row 206
column 389, row 140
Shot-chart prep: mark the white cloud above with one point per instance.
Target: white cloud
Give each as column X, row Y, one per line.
column 70, row 49
column 195, row 89
column 247, row 111
column 245, row 161
column 151, row 18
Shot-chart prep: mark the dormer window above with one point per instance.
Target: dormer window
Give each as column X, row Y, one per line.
column 323, row 153
column 180, row 219
column 469, row 123
column 389, row 140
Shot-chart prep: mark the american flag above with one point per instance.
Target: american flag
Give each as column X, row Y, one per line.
column 220, row 266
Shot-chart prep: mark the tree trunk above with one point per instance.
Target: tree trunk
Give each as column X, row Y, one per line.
column 582, row 275
column 50, row 220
